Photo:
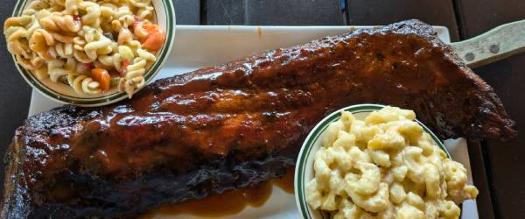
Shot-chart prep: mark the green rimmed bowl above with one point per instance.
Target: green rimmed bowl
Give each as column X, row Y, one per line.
column 304, row 171
column 165, row 17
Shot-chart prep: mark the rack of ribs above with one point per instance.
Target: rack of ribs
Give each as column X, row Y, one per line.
column 235, row 125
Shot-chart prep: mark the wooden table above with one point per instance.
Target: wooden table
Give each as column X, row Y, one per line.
column 498, row 167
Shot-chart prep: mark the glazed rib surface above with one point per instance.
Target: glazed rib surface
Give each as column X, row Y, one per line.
column 237, row 124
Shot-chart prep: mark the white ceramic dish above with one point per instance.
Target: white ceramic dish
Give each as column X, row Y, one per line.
column 199, row 46
column 304, row 171
column 165, row 16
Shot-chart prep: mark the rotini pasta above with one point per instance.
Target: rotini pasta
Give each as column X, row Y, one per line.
column 32, row 63
column 78, row 43
column 125, row 52
column 140, row 31
column 92, row 48
column 124, row 36
column 107, row 11
column 130, row 86
column 83, row 84
column 64, row 50
column 81, row 56
column 41, row 73
column 136, row 69
column 70, row 65
column 38, row 5
column 134, row 44
column 60, row 23
column 56, row 70
column 118, row 61
column 71, row 6
column 106, row 60
column 17, row 38
column 145, row 12
column 16, row 30
column 122, row 11
column 127, row 20
column 58, row 2
column 92, row 16
column 144, row 54
column 64, row 38
column 72, row 42
column 140, row 3
column 42, row 42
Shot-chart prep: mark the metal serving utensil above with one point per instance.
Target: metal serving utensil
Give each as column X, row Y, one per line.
column 496, row 44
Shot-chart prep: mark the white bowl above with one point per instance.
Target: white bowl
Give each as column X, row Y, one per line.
column 304, row 171
column 165, row 16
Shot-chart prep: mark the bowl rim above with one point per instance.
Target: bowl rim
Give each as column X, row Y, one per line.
column 319, row 128
column 162, row 57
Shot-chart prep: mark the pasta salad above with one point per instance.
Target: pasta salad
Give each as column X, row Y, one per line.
column 93, row 46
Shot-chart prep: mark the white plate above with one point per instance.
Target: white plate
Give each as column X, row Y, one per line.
column 198, row 46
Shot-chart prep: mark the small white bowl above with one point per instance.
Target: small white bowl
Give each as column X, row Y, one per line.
column 165, row 17
column 304, row 171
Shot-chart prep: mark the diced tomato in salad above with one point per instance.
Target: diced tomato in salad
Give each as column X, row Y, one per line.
column 102, row 76
column 155, row 39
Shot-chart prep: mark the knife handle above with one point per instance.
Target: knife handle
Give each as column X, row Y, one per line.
column 496, row 44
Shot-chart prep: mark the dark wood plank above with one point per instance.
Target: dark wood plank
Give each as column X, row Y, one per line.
column 274, row 12
column 294, row 12
column 230, row 12
column 478, row 16
column 479, row 173
column 187, row 11
column 14, row 92
column 380, row 12
column 505, row 162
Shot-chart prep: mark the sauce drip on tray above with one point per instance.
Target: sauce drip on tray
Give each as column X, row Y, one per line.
column 227, row 203
column 286, row 181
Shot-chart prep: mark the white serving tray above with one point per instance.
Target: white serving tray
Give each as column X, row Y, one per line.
column 198, row 46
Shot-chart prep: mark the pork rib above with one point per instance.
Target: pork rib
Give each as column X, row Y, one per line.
column 238, row 124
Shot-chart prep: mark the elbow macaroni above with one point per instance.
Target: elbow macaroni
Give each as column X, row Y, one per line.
column 385, row 166
column 63, row 39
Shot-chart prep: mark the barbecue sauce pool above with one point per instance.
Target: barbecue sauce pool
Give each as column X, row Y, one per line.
column 228, row 203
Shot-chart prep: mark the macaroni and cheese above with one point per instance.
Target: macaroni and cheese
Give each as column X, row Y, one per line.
column 92, row 46
column 385, row 166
